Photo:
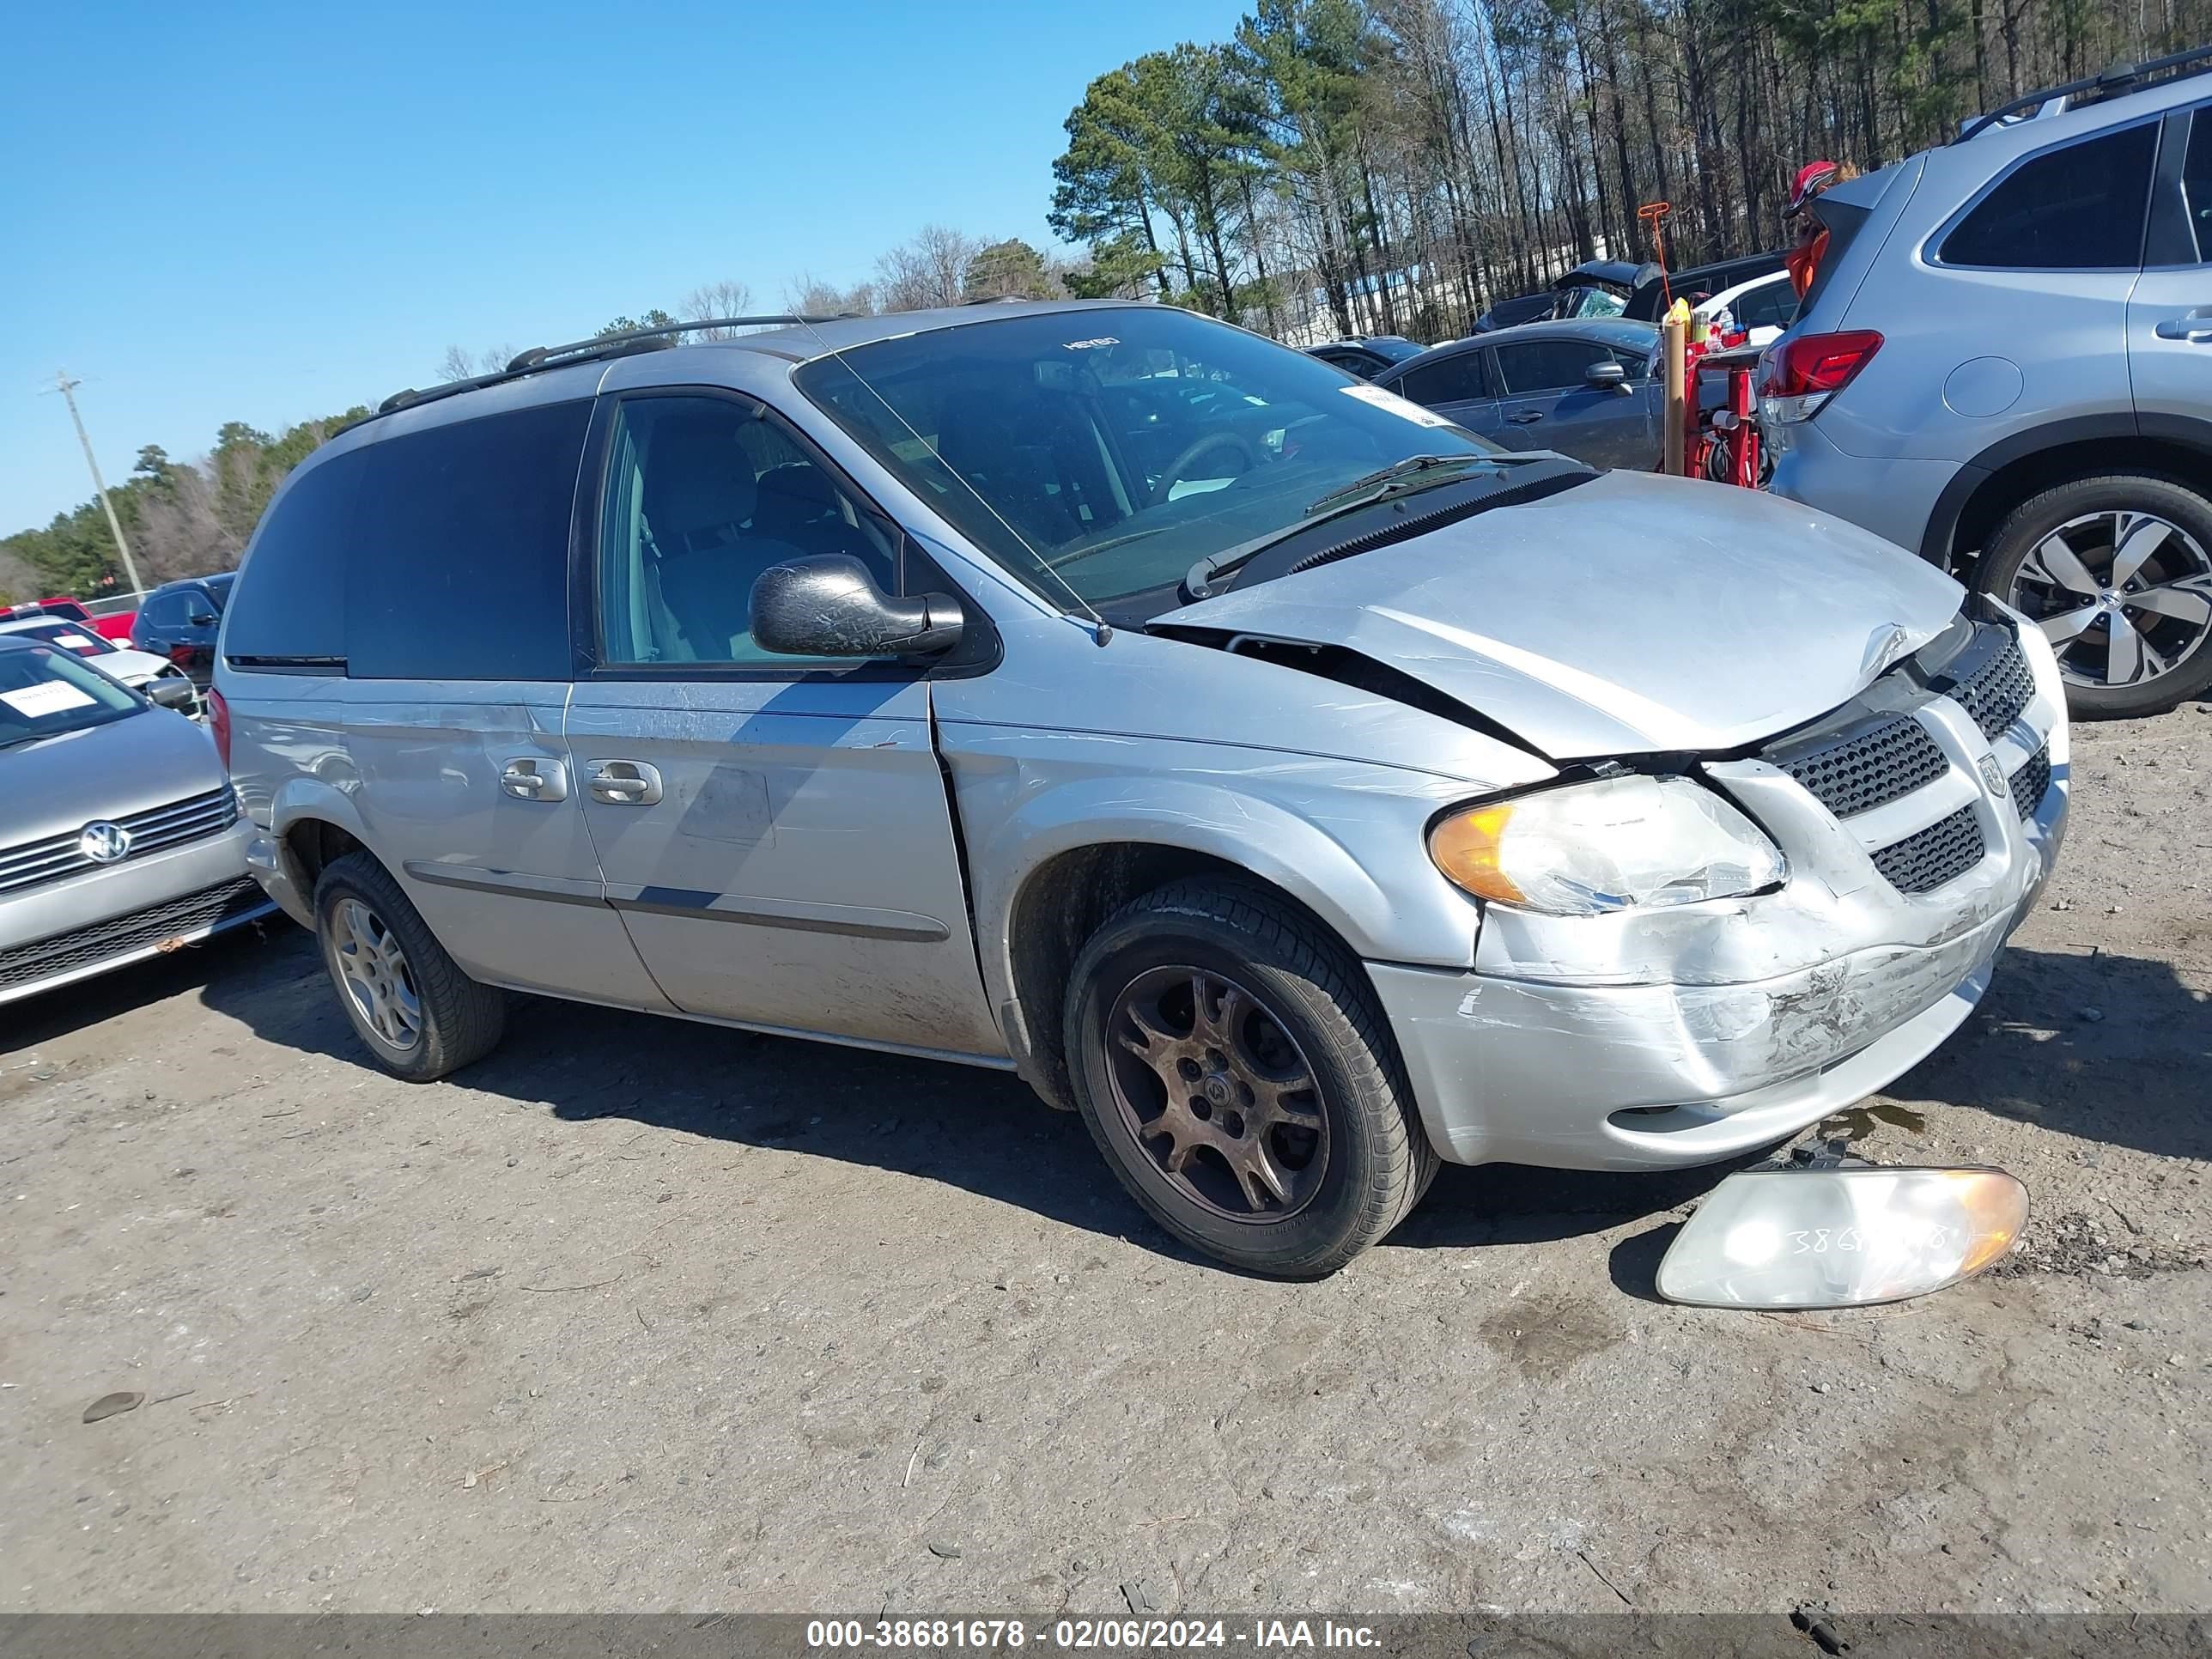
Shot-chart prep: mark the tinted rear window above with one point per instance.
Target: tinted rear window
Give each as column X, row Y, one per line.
column 2077, row 208
column 1448, row 381
column 290, row 609
column 459, row 568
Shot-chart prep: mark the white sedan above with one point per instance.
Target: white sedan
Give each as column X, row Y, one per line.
column 1763, row 307
column 155, row 677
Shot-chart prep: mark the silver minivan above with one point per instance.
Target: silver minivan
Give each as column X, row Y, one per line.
column 1297, row 786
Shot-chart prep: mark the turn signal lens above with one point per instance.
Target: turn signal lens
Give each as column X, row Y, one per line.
column 1841, row 1237
column 1467, row 849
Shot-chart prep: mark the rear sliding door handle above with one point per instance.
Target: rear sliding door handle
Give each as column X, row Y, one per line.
column 528, row 778
column 622, row 783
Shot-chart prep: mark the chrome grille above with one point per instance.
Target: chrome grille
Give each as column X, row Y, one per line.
column 1870, row 770
column 1996, row 691
column 1942, row 852
column 2032, row 782
column 28, row 863
column 211, row 907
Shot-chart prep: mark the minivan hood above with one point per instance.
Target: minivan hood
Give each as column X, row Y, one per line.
column 1633, row 614
column 56, row 786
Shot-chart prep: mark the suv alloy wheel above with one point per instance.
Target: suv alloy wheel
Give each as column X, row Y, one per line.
column 2117, row 571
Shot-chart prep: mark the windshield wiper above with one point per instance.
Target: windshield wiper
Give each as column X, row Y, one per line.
column 1415, row 472
column 1397, row 472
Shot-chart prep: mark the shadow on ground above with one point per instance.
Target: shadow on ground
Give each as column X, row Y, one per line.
column 2110, row 1049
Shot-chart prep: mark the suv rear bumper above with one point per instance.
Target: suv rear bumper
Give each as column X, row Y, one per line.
column 1893, row 497
column 1661, row 1039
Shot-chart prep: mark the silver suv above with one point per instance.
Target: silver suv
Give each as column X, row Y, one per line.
column 1299, row 788
column 2005, row 364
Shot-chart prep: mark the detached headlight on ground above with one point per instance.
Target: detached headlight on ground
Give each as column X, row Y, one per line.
column 1841, row 1237
column 1592, row 847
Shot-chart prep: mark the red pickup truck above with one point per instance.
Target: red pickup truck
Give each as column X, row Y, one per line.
column 115, row 625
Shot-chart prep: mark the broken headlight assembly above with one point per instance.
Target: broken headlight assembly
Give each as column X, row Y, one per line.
column 1590, row 848
column 1841, row 1235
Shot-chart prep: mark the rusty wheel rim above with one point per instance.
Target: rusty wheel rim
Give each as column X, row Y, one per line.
column 1216, row 1094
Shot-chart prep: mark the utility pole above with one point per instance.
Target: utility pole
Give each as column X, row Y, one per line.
column 67, row 387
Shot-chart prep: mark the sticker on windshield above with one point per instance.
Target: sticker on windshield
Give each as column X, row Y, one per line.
column 47, row 698
column 75, row 641
column 1091, row 346
column 1397, row 405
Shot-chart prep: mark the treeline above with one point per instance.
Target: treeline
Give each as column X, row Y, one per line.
column 1394, row 166
column 180, row 517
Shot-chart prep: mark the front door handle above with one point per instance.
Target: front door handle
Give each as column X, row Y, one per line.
column 622, row 783
column 525, row 777
column 2195, row 328
column 1526, row 416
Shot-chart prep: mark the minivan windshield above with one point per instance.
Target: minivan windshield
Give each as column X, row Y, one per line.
column 1107, row 451
column 45, row 692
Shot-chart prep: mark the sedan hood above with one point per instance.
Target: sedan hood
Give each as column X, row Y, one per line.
column 1631, row 615
column 56, row 786
column 131, row 667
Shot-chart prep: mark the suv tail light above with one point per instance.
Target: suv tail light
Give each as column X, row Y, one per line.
column 1799, row 375
column 218, row 719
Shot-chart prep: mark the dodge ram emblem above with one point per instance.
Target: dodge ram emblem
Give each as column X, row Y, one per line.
column 1993, row 774
column 104, row 843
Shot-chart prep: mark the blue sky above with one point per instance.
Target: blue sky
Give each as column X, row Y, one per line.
column 266, row 213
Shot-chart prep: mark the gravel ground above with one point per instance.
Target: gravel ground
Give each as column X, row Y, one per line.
column 644, row 1315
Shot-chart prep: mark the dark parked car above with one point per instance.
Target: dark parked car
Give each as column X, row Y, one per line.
column 1586, row 388
column 1650, row 299
column 178, row 621
column 1368, row 355
column 1596, row 287
column 1521, row 308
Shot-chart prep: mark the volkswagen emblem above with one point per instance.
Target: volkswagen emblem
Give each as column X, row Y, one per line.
column 104, row 843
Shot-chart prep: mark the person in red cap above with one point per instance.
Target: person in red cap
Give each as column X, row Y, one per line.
column 1803, row 259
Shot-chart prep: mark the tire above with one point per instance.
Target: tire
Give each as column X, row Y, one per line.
column 2112, row 661
column 371, row 935
column 1347, row 1156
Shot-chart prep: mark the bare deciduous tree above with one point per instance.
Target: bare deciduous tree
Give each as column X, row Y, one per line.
column 722, row 299
column 930, row 270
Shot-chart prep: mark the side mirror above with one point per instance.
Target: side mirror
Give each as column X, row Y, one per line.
column 829, row 606
column 1607, row 376
column 170, row 691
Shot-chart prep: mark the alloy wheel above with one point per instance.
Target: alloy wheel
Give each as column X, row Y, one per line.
column 1218, row 1092
column 373, row 970
column 2123, row 597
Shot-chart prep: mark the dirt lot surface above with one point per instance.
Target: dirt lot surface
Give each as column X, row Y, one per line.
column 644, row 1315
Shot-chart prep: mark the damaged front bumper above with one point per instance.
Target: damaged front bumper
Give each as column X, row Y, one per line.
column 1658, row 1038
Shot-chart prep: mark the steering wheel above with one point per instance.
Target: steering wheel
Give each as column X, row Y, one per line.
column 1190, row 457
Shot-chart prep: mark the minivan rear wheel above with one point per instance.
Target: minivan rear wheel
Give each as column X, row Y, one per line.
column 2117, row 571
column 417, row 1013
column 1230, row 1063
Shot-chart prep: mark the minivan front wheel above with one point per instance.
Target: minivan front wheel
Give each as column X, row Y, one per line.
column 1231, row 1065
column 2117, row 571
column 418, row 1014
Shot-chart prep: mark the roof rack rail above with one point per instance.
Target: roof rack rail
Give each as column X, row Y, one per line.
column 539, row 359
column 2119, row 78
